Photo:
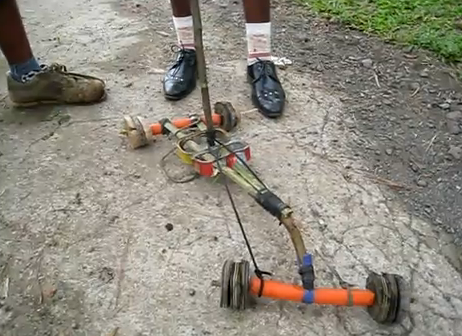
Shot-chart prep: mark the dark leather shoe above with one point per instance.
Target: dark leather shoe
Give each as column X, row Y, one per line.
column 267, row 92
column 180, row 79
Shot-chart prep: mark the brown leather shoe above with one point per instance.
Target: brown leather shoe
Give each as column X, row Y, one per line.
column 54, row 85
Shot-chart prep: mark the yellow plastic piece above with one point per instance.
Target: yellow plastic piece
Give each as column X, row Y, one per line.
column 185, row 157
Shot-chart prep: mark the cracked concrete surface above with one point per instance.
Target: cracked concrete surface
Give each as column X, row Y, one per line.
column 83, row 243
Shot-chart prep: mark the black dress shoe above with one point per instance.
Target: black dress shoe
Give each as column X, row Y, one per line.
column 180, row 79
column 267, row 92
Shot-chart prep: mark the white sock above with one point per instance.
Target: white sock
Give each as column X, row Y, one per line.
column 184, row 31
column 258, row 42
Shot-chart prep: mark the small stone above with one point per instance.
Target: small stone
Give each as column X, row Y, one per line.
column 408, row 49
column 192, row 292
column 453, row 127
column 444, row 106
column 317, row 67
column 414, row 86
column 169, row 227
column 65, row 118
column 411, row 56
column 49, row 291
column 388, row 151
column 156, row 71
column 423, row 74
column 455, row 152
column 387, row 102
column 367, row 63
column 75, row 325
column 456, row 115
column 422, row 183
column 162, row 33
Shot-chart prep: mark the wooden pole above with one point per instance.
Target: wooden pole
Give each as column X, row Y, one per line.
column 201, row 66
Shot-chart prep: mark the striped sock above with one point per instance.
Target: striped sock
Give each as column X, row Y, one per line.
column 22, row 72
column 258, row 42
column 184, row 31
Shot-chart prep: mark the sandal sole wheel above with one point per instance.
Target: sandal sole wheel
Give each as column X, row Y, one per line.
column 135, row 132
column 235, row 280
column 225, row 279
column 230, row 117
column 391, row 297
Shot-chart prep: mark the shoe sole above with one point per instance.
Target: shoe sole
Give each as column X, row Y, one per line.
column 264, row 112
column 56, row 102
column 183, row 95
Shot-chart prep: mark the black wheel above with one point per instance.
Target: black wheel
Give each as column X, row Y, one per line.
column 230, row 118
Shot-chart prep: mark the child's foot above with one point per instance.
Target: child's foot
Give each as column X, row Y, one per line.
column 54, row 85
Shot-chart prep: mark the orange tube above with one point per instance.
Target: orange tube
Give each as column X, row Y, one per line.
column 277, row 290
column 322, row 296
column 184, row 122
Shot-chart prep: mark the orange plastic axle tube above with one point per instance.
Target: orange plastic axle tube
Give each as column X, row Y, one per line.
column 321, row 296
column 184, row 122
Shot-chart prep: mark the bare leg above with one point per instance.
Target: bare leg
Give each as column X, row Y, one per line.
column 13, row 39
column 257, row 11
column 180, row 8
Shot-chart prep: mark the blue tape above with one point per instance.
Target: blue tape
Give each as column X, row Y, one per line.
column 308, row 297
column 307, row 260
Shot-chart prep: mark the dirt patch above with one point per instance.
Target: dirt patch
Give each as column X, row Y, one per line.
column 406, row 105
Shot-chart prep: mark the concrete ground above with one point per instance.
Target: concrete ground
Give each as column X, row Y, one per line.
column 84, row 248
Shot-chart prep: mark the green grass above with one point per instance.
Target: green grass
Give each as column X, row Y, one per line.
column 435, row 25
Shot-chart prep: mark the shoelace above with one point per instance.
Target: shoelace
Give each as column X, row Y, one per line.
column 44, row 68
column 180, row 53
column 265, row 69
